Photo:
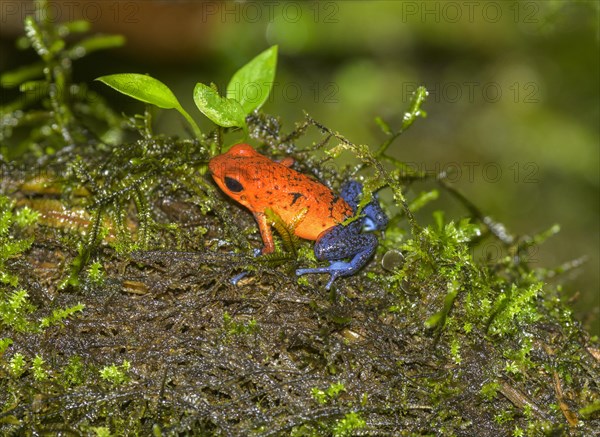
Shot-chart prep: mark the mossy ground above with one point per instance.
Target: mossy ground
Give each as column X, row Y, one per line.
column 119, row 317
column 436, row 344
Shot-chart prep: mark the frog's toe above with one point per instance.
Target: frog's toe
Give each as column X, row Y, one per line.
column 331, row 279
column 335, row 269
column 300, row 272
column 238, row 277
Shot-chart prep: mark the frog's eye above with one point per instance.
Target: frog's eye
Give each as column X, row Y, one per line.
column 233, row 184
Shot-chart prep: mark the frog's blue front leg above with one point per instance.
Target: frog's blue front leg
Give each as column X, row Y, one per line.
column 374, row 218
column 343, row 242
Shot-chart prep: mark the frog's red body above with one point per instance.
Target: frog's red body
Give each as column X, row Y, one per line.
column 270, row 184
column 259, row 183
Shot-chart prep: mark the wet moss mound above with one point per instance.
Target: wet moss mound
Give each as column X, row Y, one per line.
column 159, row 340
column 118, row 315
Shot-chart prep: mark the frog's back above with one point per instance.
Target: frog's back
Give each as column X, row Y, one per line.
column 291, row 194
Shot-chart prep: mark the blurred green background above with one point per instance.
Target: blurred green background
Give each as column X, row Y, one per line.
column 513, row 109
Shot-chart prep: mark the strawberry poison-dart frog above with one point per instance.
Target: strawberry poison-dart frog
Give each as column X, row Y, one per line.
column 259, row 183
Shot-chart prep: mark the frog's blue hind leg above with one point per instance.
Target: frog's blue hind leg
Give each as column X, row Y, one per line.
column 374, row 218
column 343, row 242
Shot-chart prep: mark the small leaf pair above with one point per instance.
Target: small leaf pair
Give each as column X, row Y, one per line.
column 247, row 91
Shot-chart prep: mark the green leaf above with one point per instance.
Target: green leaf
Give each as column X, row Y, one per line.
column 149, row 90
column 221, row 110
column 251, row 84
column 142, row 87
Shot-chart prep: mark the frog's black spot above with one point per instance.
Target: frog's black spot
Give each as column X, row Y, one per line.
column 269, row 192
column 296, row 197
column 233, row 184
column 332, row 204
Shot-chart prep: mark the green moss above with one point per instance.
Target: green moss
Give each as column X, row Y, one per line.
column 347, row 426
column 233, row 327
column 101, row 431
column 73, row 373
column 96, row 273
column 37, row 366
column 15, row 310
column 332, row 392
column 4, row 344
column 17, row 365
column 10, row 247
column 590, row 410
column 490, row 390
column 116, row 375
column 52, row 104
column 59, row 315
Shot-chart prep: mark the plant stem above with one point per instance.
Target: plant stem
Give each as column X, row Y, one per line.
column 190, row 120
